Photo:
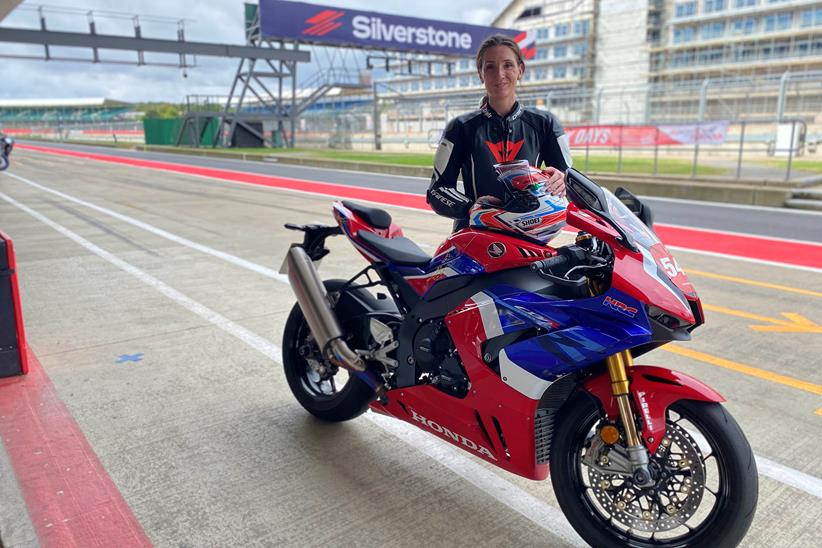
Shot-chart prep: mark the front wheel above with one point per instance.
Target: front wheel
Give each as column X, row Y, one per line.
column 324, row 390
column 705, row 491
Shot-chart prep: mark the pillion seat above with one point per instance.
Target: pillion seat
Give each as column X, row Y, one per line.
column 376, row 217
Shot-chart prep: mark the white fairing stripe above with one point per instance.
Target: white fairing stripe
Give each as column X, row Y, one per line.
column 651, row 268
column 490, row 317
column 565, row 147
column 521, row 380
column 442, row 156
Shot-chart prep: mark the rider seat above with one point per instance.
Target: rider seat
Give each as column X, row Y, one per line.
column 399, row 250
column 377, row 218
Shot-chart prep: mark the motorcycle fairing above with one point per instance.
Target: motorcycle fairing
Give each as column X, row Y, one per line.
column 653, row 390
column 493, row 415
column 575, row 333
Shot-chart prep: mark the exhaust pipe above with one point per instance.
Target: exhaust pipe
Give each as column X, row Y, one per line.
column 313, row 300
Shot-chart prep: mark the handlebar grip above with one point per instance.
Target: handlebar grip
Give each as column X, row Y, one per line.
column 550, row 262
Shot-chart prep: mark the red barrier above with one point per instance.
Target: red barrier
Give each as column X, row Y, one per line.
column 13, row 354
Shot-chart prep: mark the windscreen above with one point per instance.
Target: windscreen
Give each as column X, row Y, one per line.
column 636, row 230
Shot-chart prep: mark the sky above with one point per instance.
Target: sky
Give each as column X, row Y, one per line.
column 219, row 21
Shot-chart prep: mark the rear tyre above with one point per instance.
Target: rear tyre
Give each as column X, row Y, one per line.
column 324, row 390
column 4, row 162
column 706, row 490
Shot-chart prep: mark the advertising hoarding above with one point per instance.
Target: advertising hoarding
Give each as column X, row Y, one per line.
column 311, row 23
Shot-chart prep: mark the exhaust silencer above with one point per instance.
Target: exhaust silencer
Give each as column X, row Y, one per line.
column 313, row 300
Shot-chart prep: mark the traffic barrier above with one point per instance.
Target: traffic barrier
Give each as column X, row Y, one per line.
column 13, row 355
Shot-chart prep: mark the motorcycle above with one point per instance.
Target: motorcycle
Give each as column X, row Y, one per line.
column 523, row 355
column 6, row 145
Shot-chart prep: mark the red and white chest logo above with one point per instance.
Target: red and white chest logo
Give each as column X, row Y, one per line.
column 505, row 150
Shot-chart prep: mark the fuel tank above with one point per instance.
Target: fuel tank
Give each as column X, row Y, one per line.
column 472, row 251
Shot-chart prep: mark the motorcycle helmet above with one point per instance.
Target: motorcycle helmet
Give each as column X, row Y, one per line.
column 527, row 209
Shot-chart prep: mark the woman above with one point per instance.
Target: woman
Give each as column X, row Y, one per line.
column 501, row 130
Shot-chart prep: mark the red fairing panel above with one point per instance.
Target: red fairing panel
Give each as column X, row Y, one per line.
column 653, row 390
column 496, row 251
column 646, row 277
column 468, row 423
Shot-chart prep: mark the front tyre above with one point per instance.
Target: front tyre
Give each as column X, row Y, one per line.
column 705, row 491
column 324, row 390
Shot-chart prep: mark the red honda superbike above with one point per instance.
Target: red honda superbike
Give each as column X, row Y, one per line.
column 523, row 355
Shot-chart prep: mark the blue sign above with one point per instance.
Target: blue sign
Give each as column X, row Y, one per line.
column 280, row 20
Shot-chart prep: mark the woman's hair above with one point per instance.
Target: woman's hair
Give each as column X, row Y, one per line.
column 498, row 40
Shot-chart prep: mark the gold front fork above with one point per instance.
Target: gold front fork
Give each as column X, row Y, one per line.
column 617, row 370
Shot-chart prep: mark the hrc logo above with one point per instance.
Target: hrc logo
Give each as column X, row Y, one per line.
column 620, row 307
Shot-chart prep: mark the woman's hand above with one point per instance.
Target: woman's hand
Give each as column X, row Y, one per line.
column 492, row 200
column 556, row 181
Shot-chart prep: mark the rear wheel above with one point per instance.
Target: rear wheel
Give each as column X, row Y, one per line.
column 323, row 389
column 705, row 491
column 4, row 161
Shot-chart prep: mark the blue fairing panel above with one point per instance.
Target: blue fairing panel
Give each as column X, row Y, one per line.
column 580, row 332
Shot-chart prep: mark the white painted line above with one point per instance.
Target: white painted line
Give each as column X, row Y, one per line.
column 283, row 279
column 248, row 337
column 743, row 235
column 547, row 517
column 796, row 479
column 746, row 259
column 542, row 514
column 783, row 210
column 233, row 259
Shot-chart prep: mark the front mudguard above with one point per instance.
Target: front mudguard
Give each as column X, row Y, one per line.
column 653, row 390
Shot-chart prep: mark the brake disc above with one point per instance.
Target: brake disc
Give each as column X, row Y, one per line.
column 680, row 471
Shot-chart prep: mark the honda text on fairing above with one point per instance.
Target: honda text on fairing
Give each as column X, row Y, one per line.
column 522, row 355
column 6, row 145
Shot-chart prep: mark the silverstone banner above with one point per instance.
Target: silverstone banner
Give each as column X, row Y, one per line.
column 281, row 20
column 705, row 133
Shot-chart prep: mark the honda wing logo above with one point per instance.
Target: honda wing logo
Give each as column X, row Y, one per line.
column 323, row 22
column 505, row 151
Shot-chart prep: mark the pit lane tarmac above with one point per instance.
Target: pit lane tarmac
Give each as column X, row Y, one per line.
column 157, row 412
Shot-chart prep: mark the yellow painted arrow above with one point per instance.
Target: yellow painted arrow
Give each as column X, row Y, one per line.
column 795, row 323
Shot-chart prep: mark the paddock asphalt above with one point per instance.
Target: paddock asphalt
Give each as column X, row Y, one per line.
column 156, row 411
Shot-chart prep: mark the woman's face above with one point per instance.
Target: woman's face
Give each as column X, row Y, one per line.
column 500, row 72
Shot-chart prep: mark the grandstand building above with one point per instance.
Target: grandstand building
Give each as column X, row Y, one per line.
column 25, row 112
column 635, row 61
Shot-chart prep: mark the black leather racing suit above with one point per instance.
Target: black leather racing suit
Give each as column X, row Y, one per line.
column 474, row 142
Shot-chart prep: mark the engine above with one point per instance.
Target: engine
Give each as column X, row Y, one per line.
column 437, row 360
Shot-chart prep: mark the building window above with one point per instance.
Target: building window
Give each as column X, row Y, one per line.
column 711, row 6
column 530, row 12
column 811, row 18
column 581, row 28
column 542, row 53
column 426, row 84
column 745, row 26
column 712, row 30
column 561, row 30
column 465, row 81
column 777, row 22
column 439, row 83
column 464, row 64
column 559, row 73
column 560, row 52
column 685, row 9
column 744, row 3
column 683, row 34
column 543, row 33
column 415, row 85
column 580, row 50
column 540, row 74
column 578, row 72
column 451, row 82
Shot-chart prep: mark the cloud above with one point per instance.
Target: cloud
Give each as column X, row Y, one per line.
column 218, row 21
